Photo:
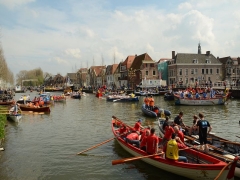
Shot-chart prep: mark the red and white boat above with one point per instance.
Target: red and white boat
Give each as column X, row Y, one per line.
column 205, row 167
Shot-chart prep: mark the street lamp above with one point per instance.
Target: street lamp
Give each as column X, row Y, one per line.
column 131, row 74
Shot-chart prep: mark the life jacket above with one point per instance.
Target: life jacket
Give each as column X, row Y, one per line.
column 146, row 100
column 172, row 150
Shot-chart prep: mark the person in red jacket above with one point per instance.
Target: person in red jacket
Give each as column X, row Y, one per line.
column 137, row 126
column 152, row 143
column 179, row 133
column 143, row 142
column 133, row 138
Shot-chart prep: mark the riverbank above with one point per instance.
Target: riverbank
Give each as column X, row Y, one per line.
column 3, row 121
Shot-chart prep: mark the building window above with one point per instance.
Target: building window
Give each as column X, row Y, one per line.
column 146, row 73
column 186, row 72
column 217, row 71
column 180, row 72
column 195, row 61
column 186, row 80
column 202, row 71
column 146, row 65
column 210, row 71
column 208, row 61
column 192, row 71
column 206, row 71
column 195, row 71
column 154, row 73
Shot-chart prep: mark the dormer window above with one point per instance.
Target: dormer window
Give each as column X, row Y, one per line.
column 208, row 61
column 195, row 61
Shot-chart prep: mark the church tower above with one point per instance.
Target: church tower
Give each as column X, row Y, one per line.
column 199, row 48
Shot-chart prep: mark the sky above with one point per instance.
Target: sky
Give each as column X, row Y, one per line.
column 62, row 36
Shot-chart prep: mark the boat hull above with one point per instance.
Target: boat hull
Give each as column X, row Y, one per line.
column 45, row 109
column 199, row 102
column 15, row 118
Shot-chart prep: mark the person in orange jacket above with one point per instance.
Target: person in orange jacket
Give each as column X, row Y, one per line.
column 151, row 103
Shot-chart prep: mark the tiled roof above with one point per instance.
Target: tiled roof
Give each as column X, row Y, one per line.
column 128, row 61
column 188, row 58
column 139, row 59
column 114, row 68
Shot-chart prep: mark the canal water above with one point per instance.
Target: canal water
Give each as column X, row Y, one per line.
column 44, row 147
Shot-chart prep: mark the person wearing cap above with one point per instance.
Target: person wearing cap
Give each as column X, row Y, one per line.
column 152, row 143
column 172, row 149
column 151, row 103
column 146, row 101
column 137, row 126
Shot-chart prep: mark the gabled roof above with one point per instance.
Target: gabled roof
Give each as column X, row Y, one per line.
column 97, row 69
column 223, row 59
column 128, row 61
column 114, row 68
column 201, row 58
column 139, row 60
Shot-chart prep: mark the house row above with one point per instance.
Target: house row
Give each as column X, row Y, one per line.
column 181, row 69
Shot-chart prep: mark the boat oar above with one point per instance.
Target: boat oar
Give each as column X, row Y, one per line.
column 220, row 173
column 120, row 161
column 104, row 142
column 230, row 142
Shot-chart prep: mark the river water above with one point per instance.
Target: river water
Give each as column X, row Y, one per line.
column 44, row 147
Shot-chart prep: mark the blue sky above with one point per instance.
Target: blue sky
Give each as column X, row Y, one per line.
column 62, row 36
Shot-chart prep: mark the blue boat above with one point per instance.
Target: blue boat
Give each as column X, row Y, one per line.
column 156, row 111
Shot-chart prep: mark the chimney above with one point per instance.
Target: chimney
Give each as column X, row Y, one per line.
column 173, row 54
column 135, row 55
column 208, row 53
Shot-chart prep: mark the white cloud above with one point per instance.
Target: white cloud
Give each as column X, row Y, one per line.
column 185, row 5
column 76, row 53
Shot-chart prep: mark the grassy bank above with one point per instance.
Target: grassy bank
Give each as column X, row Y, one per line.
column 3, row 120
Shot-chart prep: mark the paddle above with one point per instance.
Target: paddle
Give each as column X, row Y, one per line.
column 120, row 161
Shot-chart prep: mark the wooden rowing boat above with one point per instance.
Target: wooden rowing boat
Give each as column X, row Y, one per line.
column 45, row 109
column 6, row 103
column 225, row 150
column 200, row 166
column 218, row 100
